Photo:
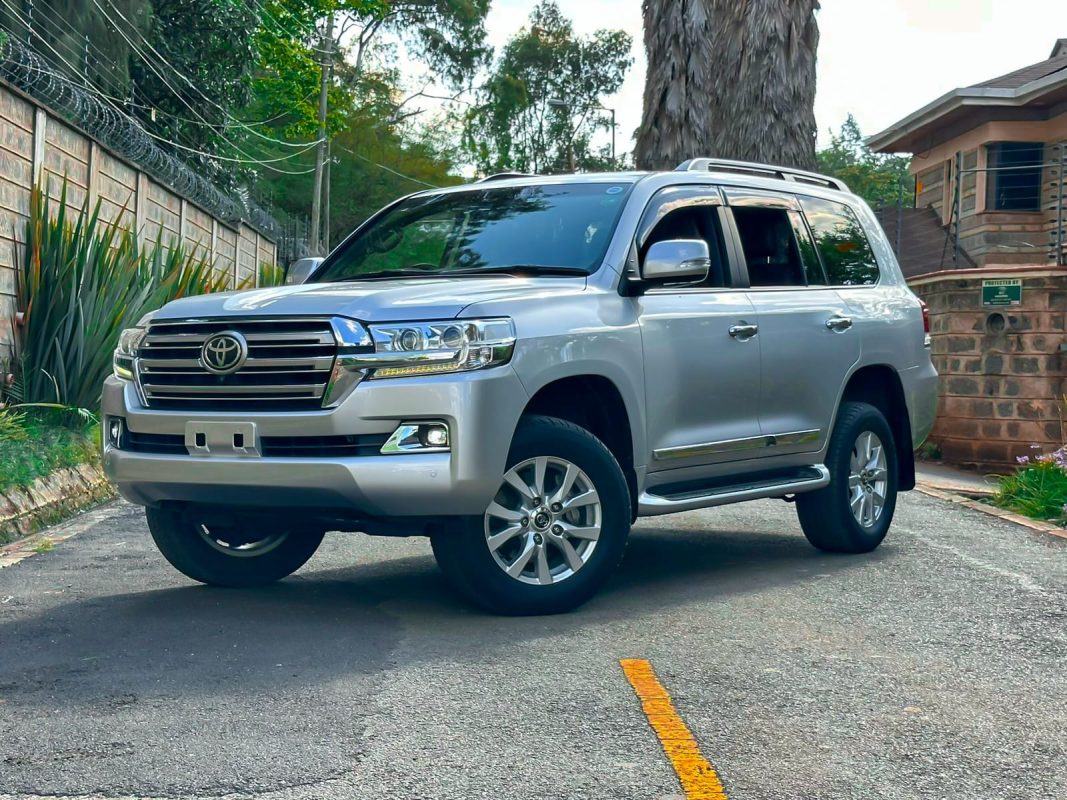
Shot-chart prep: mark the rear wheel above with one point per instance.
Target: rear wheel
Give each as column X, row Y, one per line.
column 229, row 555
column 555, row 530
column 853, row 513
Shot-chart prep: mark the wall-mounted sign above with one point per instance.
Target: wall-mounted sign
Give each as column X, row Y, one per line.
column 1002, row 292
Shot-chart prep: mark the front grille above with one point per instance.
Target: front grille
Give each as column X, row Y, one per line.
column 368, row 444
column 288, row 366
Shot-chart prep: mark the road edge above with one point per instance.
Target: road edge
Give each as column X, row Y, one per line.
column 993, row 511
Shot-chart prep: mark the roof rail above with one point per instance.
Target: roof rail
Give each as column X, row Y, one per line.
column 752, row 168
column 504, row 176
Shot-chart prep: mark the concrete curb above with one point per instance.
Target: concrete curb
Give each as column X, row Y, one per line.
column 993, row 511
column 45, row 540
column 50, row 500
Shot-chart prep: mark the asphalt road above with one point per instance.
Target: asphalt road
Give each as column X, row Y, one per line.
column 934, row 668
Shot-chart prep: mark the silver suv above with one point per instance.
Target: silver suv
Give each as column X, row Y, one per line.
column 520, row 367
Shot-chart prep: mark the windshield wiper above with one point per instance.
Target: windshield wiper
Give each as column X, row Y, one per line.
column 522, row 269
column 385, row 274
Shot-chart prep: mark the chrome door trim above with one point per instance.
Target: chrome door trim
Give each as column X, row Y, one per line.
column 736, row 445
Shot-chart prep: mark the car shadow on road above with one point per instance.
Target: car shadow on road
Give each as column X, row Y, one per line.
column 320, row 624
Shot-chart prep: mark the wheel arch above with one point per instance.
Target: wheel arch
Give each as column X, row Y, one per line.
column 880, row 386
column 594, row 402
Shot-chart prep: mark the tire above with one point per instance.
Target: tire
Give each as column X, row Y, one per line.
column 549, row 579
column 827, row 515
column 201, row 554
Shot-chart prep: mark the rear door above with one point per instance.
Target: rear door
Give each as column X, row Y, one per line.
column 701, row 354
column 808, row 341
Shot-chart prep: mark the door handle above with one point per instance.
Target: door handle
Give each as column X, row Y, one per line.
column 744, row 331
column 839, row 324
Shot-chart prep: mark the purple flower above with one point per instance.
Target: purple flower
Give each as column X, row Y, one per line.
column 1023, row 459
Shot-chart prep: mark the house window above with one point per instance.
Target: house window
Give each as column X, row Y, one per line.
column 1013, row 182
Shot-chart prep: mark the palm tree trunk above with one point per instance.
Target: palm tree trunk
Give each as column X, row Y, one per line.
column 729, row 79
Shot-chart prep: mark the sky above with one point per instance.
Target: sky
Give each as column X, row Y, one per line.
column 878, row 59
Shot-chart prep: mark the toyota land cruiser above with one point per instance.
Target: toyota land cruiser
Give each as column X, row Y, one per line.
column 520, row 367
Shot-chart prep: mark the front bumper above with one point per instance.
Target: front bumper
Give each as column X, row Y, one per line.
column 480, row 408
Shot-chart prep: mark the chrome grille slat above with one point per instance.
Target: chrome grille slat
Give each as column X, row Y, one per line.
column 289, row 364
column 156, row 365
column 296, row 389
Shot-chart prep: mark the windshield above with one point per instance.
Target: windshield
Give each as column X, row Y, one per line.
column 560, row 228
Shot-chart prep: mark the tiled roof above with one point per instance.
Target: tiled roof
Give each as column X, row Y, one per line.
column 1057, row 62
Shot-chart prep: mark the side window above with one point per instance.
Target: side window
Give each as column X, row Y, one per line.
column 846, row 254
column 770, row 247
column 693, row 222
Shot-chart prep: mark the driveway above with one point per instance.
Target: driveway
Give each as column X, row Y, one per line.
column 933, row 668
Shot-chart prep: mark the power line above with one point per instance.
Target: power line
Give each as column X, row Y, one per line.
column 387, row 169
column 180, row 74
column 94, row 91
column 105, row 58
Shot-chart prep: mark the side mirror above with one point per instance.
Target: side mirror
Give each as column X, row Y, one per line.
column 301, row 269
column 676, row 259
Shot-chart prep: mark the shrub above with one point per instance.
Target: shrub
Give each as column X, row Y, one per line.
column 34, row 444
column 1038, row 489
column 79, row 282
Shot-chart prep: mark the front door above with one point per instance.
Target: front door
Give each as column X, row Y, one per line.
column 701, row 352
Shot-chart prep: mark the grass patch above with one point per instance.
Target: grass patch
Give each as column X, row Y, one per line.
column 1038, row 490
column 33, row 445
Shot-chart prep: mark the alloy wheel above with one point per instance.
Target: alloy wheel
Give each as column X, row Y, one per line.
column 868, row 479
column 232, row 543
column 544, row 523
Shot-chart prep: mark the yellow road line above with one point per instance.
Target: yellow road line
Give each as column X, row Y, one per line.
column 698, row 777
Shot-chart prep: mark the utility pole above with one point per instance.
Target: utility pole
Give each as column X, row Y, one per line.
column 326, row 52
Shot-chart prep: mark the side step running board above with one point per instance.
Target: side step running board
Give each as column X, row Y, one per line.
column 806, row 479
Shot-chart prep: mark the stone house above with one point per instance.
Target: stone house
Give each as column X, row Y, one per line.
column 986, row 247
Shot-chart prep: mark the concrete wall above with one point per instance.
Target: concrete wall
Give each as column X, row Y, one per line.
column 37, row 147
column 1003, row 376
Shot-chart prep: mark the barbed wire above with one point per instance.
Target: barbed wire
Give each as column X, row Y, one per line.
column 29, row 72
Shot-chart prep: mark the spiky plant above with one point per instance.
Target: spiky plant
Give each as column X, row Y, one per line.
column 79, row 282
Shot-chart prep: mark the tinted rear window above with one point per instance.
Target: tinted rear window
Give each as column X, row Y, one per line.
column 846, row 254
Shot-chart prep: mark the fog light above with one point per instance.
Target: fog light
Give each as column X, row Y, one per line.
column 435, row 435
column 418, row 437
column 115, row 430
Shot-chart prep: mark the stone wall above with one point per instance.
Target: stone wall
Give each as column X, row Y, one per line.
column 37, row 147
column 1003, row 375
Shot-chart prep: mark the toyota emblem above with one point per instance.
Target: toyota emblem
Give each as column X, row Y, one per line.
column 224, row 352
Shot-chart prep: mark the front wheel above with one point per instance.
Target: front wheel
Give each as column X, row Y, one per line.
column 228, row 555
column 555, row 530
column 853, row 513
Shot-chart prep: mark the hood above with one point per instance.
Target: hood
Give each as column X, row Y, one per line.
column 369, row 301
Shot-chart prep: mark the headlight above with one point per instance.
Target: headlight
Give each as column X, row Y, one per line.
column 433, row 348
column 126, row 351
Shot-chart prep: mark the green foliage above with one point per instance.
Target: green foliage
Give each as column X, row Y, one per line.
column 881, row 180
column 32, row 446
column 210, row 42
column 79, row 283
column 374, row 164
column 1038, row 490
column 516, row 126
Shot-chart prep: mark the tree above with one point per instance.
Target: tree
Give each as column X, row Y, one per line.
column 76, row 39
column 540, row 105
column 881, row 180
column 729, row 80
column 194, row 72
